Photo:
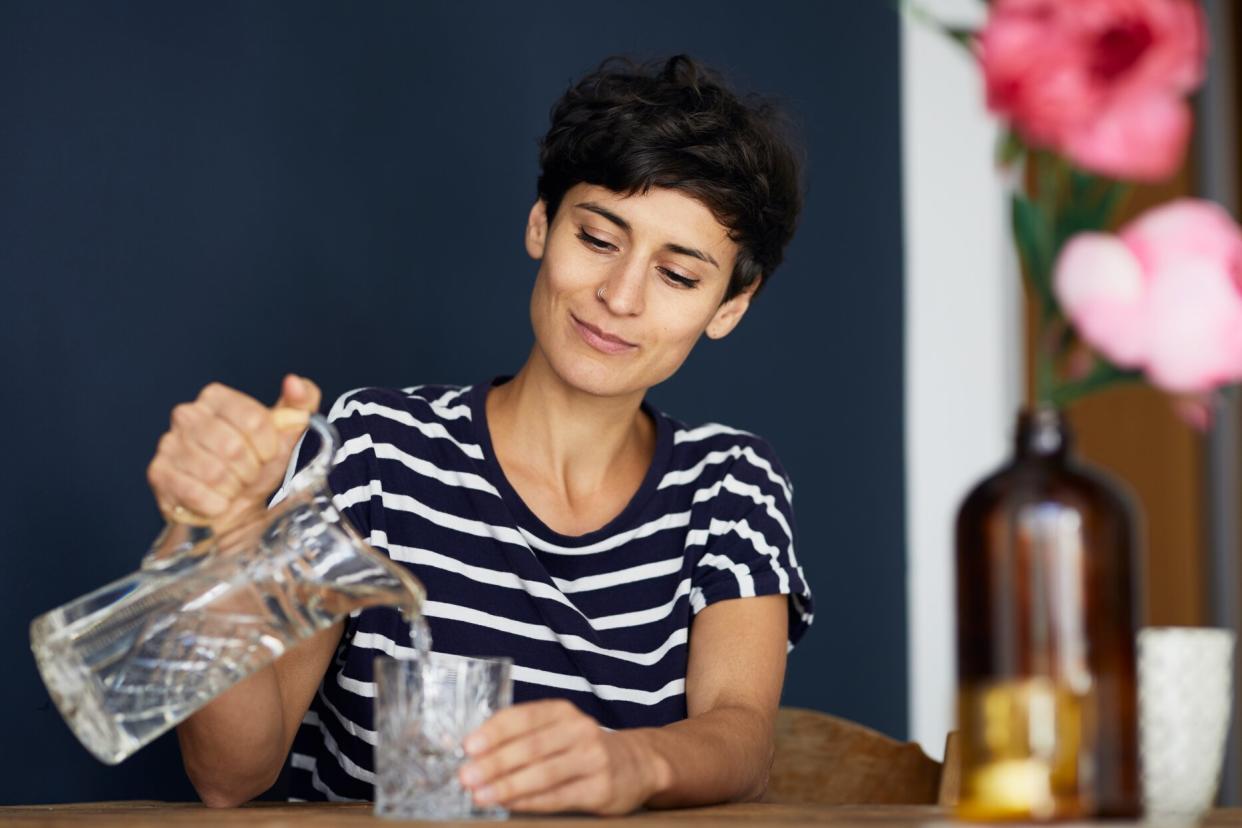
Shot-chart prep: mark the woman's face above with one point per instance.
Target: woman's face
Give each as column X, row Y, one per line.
column 663, row 262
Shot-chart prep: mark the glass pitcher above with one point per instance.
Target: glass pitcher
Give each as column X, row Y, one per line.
column 132, row 659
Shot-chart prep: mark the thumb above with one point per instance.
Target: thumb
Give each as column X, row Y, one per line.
column 299, row 398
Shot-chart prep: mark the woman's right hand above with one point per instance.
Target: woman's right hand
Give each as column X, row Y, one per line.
column 226, row 453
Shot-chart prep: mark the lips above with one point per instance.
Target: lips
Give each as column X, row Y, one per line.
column 600, row 339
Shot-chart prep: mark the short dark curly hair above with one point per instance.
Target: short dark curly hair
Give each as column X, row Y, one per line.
column 673, row 123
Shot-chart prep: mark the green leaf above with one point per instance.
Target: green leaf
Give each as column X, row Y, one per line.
column 1081, row 184
column 1033, row 235
column 1104, row 374
column 1009, row 148
column 1092, row 204
column 963, row 37
column 1114, row 195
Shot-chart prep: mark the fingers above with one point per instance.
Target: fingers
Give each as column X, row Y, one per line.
column 288, row 419
column 535, row 778
column 191, row 459
column 249, row 418
column 530, row 749
column 517, row 720
column 176, row 488
column 200, row 427
column 535, row 745
column 299, row 393
column 580, row 794
column 225, row 452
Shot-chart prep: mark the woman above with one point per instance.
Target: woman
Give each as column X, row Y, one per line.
column 555, row 517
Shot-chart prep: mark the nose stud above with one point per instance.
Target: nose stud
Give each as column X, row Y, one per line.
column 599, row 294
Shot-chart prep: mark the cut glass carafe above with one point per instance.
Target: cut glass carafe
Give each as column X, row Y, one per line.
column 132, row 659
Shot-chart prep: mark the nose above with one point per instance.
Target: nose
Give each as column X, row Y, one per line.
column 624, row 292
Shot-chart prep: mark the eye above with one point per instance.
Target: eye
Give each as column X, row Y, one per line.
column 602, row 246
column 677, row 279
column 594, row 243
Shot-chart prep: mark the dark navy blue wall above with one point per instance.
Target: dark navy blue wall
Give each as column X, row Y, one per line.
column 229, row 191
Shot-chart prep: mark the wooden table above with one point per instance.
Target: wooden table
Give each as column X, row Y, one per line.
column 280, row 815
column 306, row 815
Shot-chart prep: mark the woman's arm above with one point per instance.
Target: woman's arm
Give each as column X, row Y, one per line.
column 723, row 751
column 222, row 457
column 549, row 756
column 233, row 749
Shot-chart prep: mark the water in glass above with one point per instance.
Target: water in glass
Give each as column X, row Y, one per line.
column 424, row 709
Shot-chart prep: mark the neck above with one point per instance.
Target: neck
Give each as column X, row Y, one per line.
column 573, row 441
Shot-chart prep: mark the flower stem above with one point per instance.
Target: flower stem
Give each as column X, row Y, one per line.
column 1104, row 375
column 1045, row 363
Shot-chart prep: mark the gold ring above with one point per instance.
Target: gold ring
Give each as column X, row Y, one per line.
column 180, row 514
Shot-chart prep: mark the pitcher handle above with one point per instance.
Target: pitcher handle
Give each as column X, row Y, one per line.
column 169, row 550
column 315, row 474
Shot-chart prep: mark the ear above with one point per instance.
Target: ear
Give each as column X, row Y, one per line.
column 537, row 230
column 731, row 312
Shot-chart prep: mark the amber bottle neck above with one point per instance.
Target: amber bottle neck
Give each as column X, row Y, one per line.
column 1043, row 433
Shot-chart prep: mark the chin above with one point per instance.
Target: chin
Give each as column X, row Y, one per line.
column 591, row 377
column 597, row 376
column 585, row 370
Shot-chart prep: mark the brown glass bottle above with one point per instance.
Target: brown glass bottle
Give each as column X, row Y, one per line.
column 1046, row 619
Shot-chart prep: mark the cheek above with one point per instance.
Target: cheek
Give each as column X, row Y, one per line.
column 671, row 345
column 564, row 276
column 678, row 333
column 553, row 284
column 540, row 298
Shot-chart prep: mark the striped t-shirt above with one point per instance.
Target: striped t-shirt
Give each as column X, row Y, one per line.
column 602, row 619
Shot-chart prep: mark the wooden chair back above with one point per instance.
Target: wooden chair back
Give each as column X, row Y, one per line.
column 825, row 760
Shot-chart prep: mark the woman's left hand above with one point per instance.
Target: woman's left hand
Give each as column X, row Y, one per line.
column 548, row 756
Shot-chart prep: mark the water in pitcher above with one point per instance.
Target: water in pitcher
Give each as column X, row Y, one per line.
column 131, row 660
column 420, row 638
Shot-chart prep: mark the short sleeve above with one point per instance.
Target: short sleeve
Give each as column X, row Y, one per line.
column 748, row 538
column 354, row 466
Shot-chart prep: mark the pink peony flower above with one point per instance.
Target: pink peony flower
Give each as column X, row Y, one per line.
column 1195, row 410
column 1164, row 295
column 1101, row 81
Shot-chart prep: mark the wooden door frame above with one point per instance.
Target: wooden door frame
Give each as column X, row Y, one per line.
column 1220, row 179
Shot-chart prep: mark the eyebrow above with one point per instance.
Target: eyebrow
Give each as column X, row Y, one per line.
column 625, row 225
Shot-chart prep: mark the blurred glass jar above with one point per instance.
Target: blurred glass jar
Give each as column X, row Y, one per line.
column 1046, row 623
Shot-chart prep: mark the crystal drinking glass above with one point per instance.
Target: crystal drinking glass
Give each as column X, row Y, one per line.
column 423, row 712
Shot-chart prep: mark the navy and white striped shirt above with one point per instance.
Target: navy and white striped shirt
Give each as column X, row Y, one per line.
column 601, row 619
